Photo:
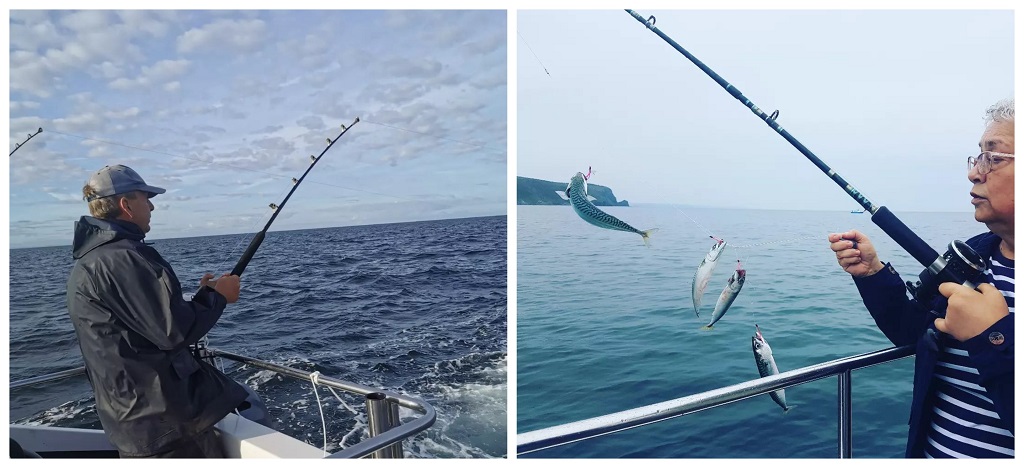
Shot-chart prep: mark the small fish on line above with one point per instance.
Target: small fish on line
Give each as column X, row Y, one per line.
column 766, row 366
column 728, row 296
column 702, row 276
column 576, row 193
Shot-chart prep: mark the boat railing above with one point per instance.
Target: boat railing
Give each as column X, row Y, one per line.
column 385, row 428
column 542, row 439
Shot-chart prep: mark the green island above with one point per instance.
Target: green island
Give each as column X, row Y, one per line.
column 531, row 191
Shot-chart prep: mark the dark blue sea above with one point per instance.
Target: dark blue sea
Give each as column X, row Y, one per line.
column 416, row 308
column 605, row 325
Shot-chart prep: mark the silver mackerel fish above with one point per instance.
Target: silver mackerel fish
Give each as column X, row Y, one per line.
column 766, row 365
column 703, row 274
column 728, row 295
column 576, row 193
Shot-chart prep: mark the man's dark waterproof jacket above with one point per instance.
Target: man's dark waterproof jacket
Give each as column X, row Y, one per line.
column 904, row 321
column 134, row 329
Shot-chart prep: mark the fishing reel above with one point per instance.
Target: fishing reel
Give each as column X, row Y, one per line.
column 960, row 264
column 200, row 350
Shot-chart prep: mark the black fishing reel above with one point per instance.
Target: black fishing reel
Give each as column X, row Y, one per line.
column 960, row 264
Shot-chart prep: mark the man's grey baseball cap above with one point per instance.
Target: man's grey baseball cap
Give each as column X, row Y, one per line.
column 118, row 179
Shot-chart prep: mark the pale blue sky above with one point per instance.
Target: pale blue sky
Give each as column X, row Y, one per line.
column 891, row 100
column 232, row 104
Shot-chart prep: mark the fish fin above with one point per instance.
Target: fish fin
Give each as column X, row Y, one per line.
column 562, row 194
column 591, row 198
column 647, row 237
column 707, row 327
column 786, row 409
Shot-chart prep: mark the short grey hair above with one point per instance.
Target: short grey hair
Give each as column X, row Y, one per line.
column 106, row 207
column 1001, row 111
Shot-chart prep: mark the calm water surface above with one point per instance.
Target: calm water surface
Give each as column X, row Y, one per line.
column 606, row 325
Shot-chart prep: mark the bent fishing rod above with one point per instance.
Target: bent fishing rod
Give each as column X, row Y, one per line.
column 19, row 145
column 257, row 240
column 960, row 264
column 199, row 349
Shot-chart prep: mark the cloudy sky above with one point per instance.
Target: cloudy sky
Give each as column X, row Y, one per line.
column 891, row 100
column 223, row 108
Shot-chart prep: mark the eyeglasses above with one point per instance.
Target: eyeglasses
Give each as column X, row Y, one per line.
column 987, row 161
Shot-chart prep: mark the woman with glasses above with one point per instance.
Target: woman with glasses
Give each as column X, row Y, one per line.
column 963, row 378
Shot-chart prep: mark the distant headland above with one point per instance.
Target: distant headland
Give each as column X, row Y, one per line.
column 542, row 192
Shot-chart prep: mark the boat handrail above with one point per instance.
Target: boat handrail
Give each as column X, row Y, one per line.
column 375, row 443
column 576, row 431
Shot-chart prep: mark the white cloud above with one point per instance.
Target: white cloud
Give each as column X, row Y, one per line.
column 66, row 197
column 123, row 114
column 80, row 123
column 154, row 23
column 162, row 72
column 311, row 122
column 224, row 36
column 165, row 70
column 18, row 106
column 87, row 20
column 33, row 36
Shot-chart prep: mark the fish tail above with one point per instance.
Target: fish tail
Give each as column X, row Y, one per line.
column 707, row 327
column 647, row 236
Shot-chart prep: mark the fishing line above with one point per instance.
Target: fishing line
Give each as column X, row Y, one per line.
column 794, row 239
column 758, row 244
column 489, row 148
column 534, row 53
column 276, row 176
column 706, row 231
column 30, row 135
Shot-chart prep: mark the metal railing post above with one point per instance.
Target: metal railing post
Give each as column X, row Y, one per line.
column 378, row 417
column 396, row 449
column 845, row 415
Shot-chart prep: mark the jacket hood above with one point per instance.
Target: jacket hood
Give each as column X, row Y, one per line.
column 91, row 233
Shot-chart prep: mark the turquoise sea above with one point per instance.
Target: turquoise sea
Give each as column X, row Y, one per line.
column 605, row 325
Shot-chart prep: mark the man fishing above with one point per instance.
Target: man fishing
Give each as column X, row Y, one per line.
column 963, row 380
column 153, row 398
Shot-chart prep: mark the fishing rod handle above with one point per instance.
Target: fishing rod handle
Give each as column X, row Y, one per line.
column 249, row 253
column 960, row 264
column 906, row 238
